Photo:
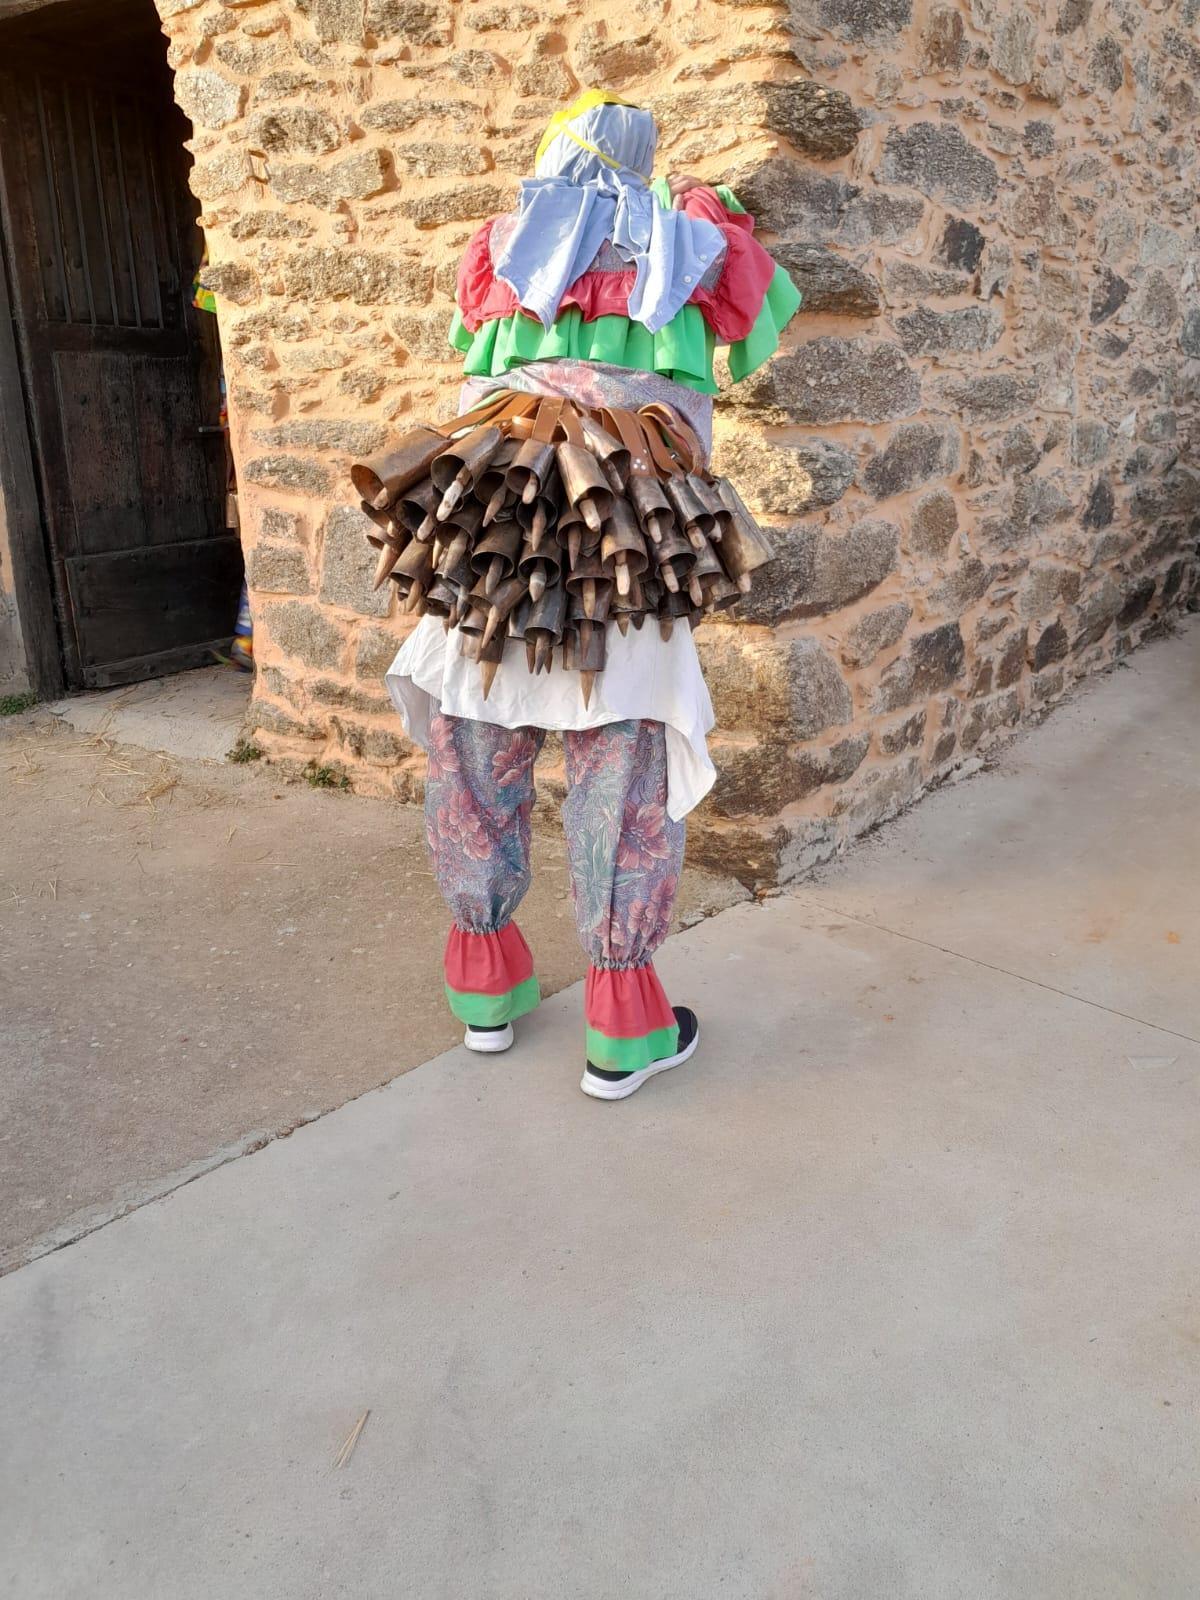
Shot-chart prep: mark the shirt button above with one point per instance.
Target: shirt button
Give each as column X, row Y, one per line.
column 687, row 277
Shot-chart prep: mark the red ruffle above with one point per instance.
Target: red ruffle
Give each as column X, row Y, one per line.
column 487, row 963
column 730, row 308
column 626, row 1004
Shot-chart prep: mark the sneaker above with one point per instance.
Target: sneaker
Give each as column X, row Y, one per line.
column 489, row 1041
column 602, row 1085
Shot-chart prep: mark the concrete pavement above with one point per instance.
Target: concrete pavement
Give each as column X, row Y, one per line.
column 891, row 1292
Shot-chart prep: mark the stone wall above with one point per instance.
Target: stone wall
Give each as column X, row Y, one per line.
column 978, row 445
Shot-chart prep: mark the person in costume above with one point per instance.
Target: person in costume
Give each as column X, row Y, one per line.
column 569, row 513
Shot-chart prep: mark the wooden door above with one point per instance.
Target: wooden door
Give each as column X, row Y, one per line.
column 120, row 372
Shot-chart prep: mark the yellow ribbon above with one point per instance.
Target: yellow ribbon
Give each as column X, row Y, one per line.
column 587, row 101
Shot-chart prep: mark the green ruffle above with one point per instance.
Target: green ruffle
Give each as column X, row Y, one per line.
column 682, row 351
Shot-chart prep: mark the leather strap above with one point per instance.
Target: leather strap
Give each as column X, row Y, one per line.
column 683, row 436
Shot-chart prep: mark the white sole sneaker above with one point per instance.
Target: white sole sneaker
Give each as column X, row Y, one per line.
column 622, row 1088
column 493, row 1042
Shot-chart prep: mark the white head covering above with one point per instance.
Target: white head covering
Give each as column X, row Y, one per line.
column 592, row 184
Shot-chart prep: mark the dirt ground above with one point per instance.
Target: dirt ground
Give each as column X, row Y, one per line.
column 197, row 958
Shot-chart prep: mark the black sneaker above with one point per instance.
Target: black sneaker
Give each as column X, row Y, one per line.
column 602, row 1085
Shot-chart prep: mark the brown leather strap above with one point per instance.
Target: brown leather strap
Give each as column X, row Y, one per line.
column 669, row 465
column 682, row 435
column 625, row 425
column 500, row 406
column 548, row 413
column 569, row 422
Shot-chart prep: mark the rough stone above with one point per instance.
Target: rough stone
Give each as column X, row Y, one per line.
column 230, row 280
column 915, row 453
column 269, row 225
column 278, row 569
column 933, row 661
column 790, row 689
column 1138, row 597
column 1189, row 336
column 1037, row 503
column 1090, row 442
column 1052, row 645
column 877, row 631
column 464, row 204
column 863, row 21
column 305, row 632
column 284, row 85
column 365, row 277
column 398, row 116
column 1157, row 305
column 1002, row 711
column 247, row 57
column 968, row 582
column 423, row 336
column 835, row 380
column 294, row 129
column 334, row 20
column 296, row 474
column 599, row 58
column 503, row 18
column 926, row 332
column 989, row 396
column 944, row 42
column 782, row 478
column 939, row 161
column 222, row 175
column 1097, row 612
column 760, row 779
column 376, row 650
column 878, row 218
column 828, row 282
column 1101, row 505
column 551, row 78
column 1037, row 209
column 348, row 564
column 432, row 159
column 1039, row 140
column 1010, row 664
column 789, row 198
column 904, row 280
column 208, row 99
column 1073, row 14
column 327, row 433
column 276, row 523
column 1106, row 65
column 881, row 795
column 843, row 567
column 418, row 21
column 1045, row 588
column 818, row 121
column 906, row 735
column 473, row 67
column 961, row 244
column 934, row 523
column 358, row 177
column 1014, row 45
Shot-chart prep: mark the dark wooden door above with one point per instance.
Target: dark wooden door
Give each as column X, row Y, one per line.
column 120, row 372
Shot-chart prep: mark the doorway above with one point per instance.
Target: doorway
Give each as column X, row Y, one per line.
column 117, row 376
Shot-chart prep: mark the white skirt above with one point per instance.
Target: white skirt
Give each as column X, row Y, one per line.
column 644, row 678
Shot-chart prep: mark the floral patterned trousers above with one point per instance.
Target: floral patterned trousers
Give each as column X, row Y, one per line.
column 625, row 855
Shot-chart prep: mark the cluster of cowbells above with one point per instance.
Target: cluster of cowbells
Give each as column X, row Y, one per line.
column 542, row 521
